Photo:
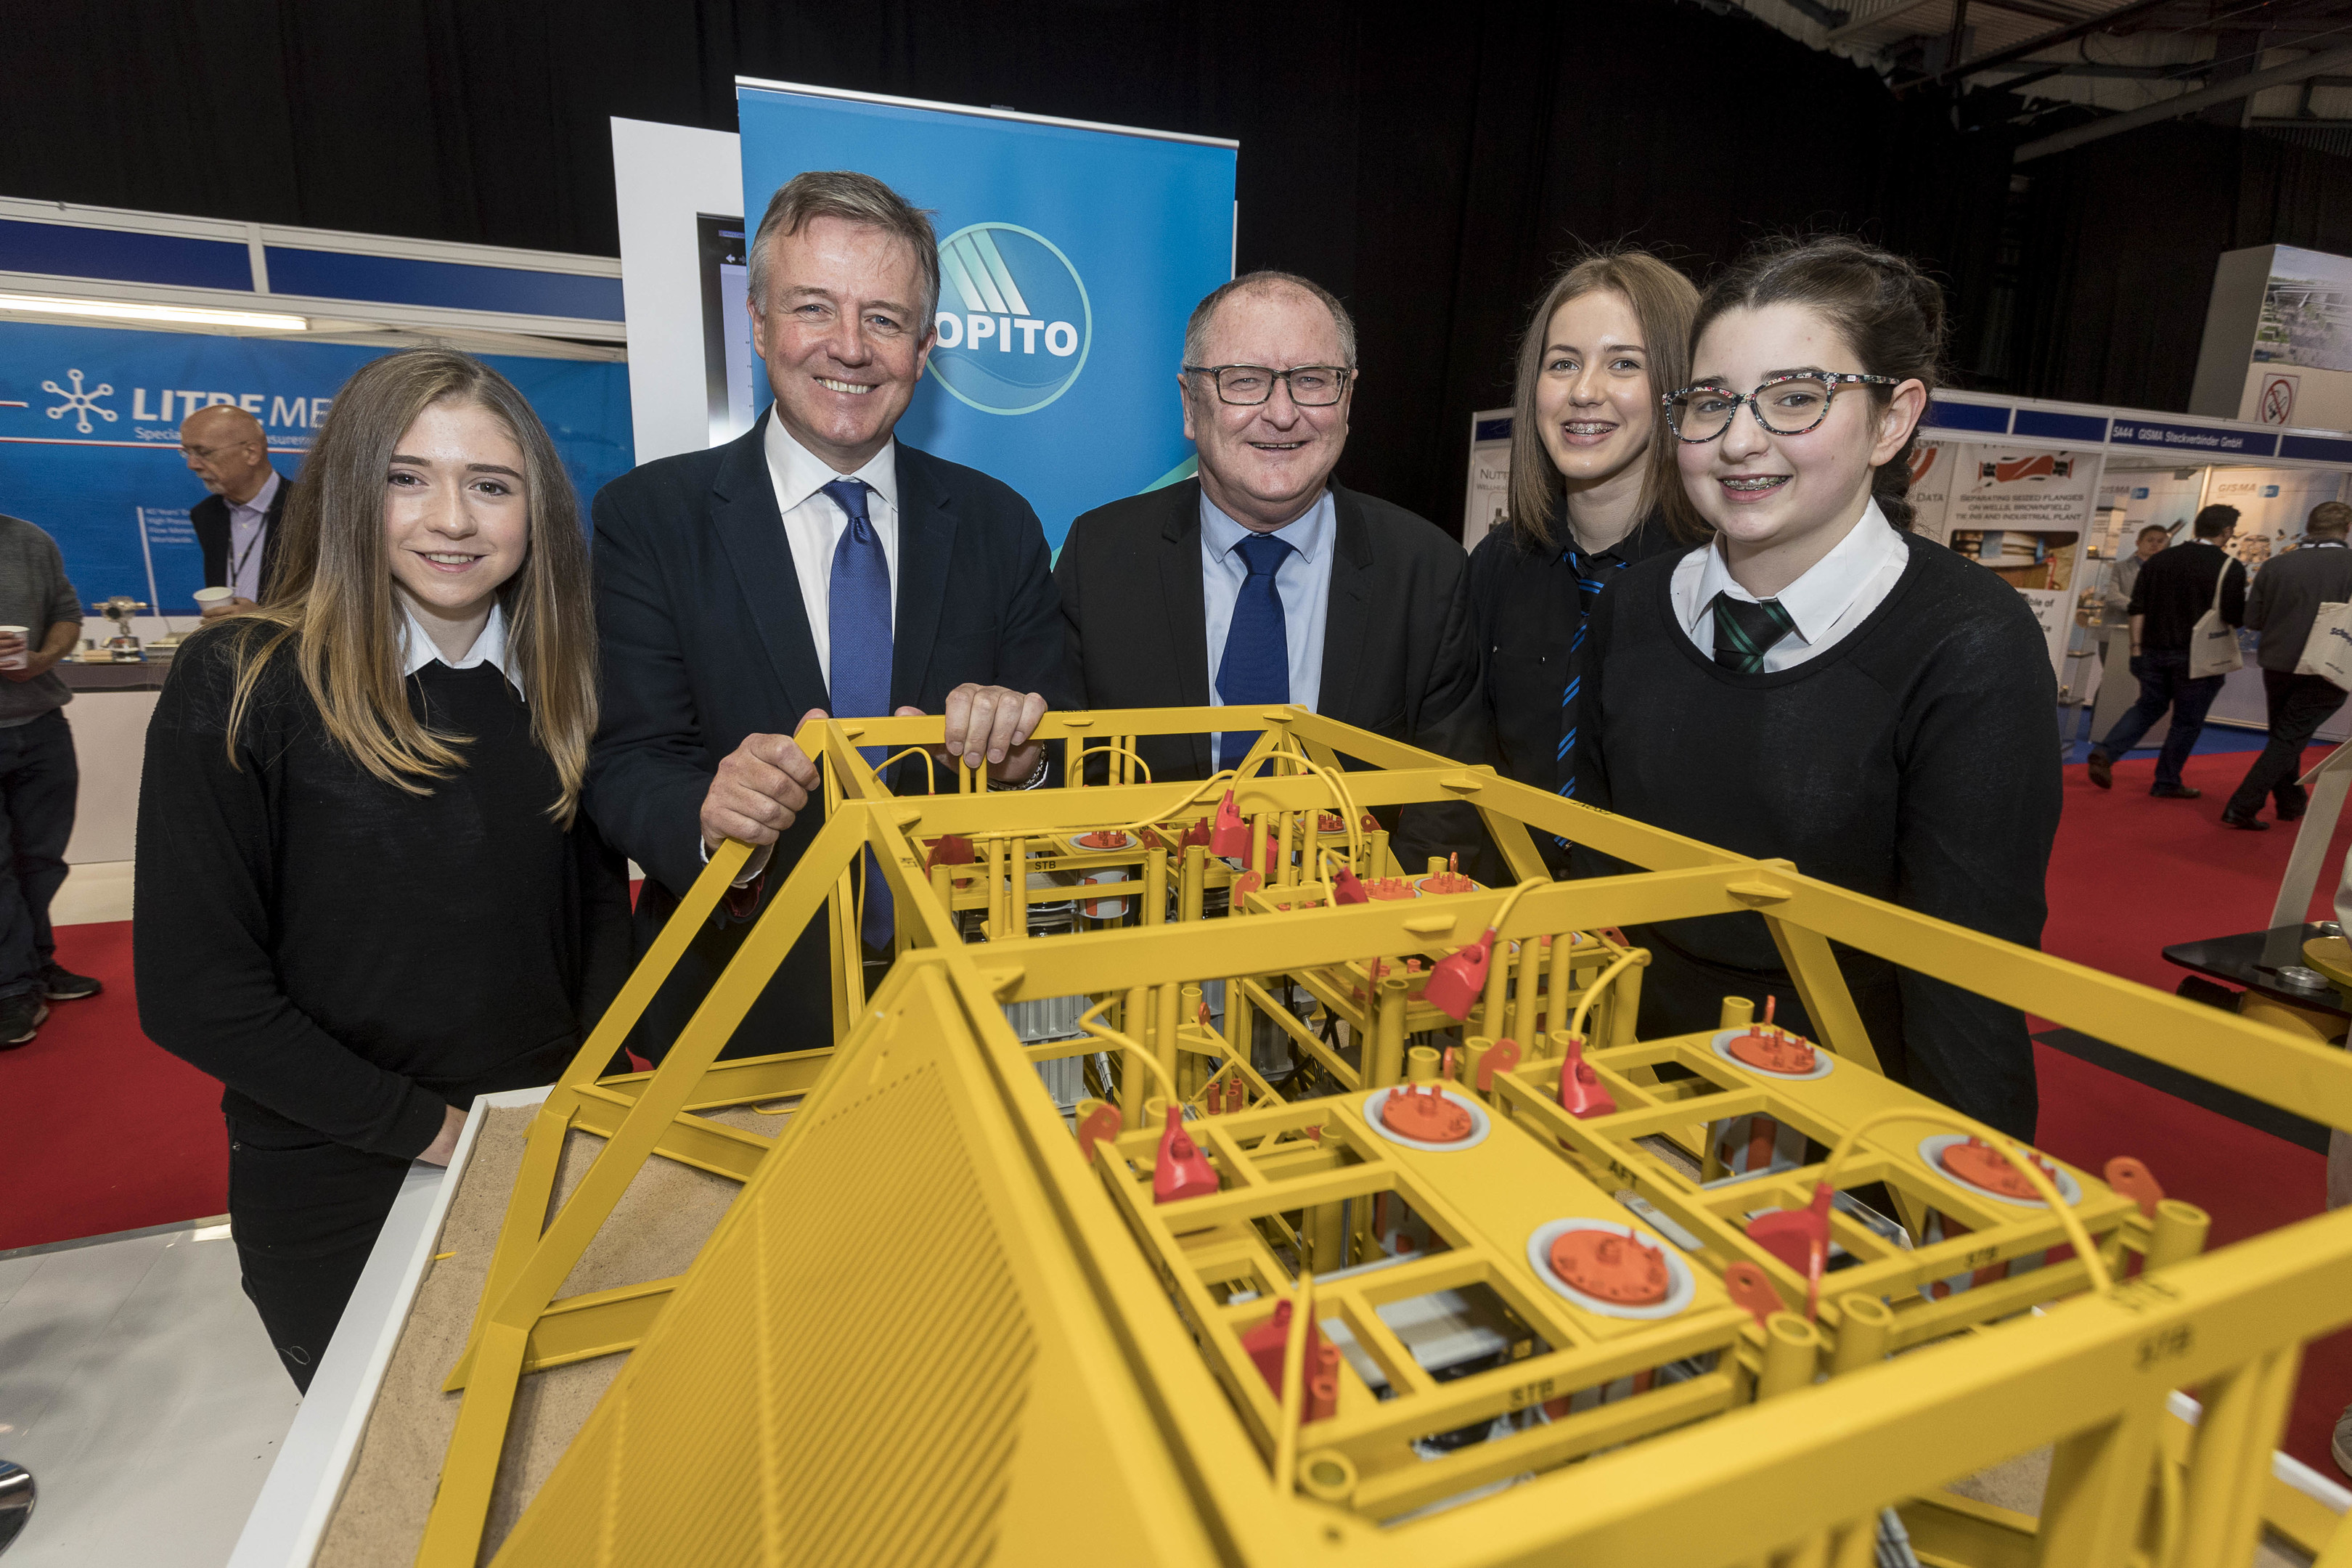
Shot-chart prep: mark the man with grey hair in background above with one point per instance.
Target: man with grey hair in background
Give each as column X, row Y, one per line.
column 1264, row 580
column 235, row 525
column 805, row 569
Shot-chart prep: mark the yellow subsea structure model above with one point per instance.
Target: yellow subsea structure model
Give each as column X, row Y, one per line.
column 1203, row 1186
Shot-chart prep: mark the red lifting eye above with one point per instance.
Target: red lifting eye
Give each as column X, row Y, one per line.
column 1181, row 1171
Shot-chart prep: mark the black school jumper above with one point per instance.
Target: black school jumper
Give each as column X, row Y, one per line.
column 1915, row 760
column 349, row 959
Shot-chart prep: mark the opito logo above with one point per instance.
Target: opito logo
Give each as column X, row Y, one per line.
column 1022, row 337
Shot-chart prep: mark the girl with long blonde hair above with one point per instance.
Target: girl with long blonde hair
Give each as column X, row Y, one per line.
column 365, row 892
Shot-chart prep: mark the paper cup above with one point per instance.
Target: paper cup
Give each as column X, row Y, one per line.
column 207, row 597
column 19, row 659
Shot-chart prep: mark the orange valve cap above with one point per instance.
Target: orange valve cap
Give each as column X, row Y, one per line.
column 1622, row 1270
column 1580, row 1093
column 1455, row 984
column 1430, row 1118
column 1979, row 1164
column 1181, row 1171
column 1771, row 1049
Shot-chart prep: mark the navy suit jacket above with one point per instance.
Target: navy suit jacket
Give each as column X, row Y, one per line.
column 704, row 641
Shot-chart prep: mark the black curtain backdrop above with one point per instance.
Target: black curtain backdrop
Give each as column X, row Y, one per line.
column 1431, row 164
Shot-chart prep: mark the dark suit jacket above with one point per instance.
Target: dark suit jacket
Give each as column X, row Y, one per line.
column 704, row 641
column 209, row 517
column 1398, row 655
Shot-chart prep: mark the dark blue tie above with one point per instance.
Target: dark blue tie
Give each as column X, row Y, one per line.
column 1257, row 667
column 858, row 617
column 1591, row 578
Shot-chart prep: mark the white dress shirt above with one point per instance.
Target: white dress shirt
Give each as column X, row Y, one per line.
column 814, row 522
column 248, row 524
column 1302, row 581
column 1835, row 595
column 417, row 649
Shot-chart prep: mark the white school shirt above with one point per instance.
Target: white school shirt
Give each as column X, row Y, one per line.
column 1834, row 597
column 417, row 649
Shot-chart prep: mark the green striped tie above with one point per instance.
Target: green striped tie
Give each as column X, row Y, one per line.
column 1745, row 628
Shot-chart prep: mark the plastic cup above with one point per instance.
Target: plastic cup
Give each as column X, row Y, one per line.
column 23, row 655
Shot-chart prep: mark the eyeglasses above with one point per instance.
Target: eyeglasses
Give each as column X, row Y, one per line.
column 1785, row 405
column 1248, row 386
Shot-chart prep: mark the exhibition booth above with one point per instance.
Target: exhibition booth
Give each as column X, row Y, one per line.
column 115, row 326
column 1188, row 1172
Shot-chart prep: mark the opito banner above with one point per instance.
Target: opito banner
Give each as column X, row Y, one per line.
column 1070, row 258
column 89, row 436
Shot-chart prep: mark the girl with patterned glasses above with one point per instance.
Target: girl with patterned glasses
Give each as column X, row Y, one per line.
column 1590, row 465
column 1818, row 683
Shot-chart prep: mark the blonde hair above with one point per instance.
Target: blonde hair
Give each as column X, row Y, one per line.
column 333, row 604
column 1664, row 302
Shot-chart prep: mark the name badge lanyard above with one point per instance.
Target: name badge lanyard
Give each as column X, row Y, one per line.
column 245, row 555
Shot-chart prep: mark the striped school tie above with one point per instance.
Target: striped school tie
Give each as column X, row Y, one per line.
column 1592, row 577
column 1746, row 629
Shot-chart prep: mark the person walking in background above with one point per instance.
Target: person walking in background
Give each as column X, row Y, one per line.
column 365, row 892
column 235, row 525
column 2175, row 589
column 1591, row 463
column 40, row 620
column 2285, row 600
column 2117, row 599
column 1820, row 683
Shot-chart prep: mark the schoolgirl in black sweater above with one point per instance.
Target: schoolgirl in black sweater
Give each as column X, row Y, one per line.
column 1820, row 685
column 364, row 893
column 1589, row 468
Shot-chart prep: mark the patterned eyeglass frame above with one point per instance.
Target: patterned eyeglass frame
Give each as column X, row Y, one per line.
column 1835, row 378
column 1216, row 373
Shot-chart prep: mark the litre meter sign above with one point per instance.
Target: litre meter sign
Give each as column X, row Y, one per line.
column 1069, row 257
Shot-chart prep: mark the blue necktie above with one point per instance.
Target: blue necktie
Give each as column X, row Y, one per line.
column 1257, row 667
column 1590, row 582
column 858, row 624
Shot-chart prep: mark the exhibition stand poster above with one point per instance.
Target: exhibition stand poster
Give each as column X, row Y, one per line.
column 1069, row 257
column 2024, row 514
column 89, row 421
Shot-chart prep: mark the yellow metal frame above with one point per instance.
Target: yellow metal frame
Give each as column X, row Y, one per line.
column 1746, row 1461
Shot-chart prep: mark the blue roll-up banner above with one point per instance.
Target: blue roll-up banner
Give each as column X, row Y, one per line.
column 1070, row 257
column 89, row 436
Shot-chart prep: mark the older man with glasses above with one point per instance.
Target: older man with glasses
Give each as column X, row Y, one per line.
column 1263, row 580
column 235, row 525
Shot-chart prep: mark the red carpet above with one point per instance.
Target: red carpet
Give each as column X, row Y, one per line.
column 100, row 1131
column 2131, row 875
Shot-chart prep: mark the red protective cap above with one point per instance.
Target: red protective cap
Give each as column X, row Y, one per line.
column 1181, row 1171
column 1265, row 1345
column 1455, row 984
column 950, row 849
column 1347, row 889
column 1580, row 1093
column 1799, row 1238
column 1229, row 838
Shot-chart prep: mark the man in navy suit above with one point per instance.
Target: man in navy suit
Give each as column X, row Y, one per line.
column 805, row 569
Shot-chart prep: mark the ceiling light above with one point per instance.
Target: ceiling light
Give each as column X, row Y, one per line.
column 131, row 310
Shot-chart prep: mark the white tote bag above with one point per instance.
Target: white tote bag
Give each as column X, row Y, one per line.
column 2328, row 650
column 2212, row 641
